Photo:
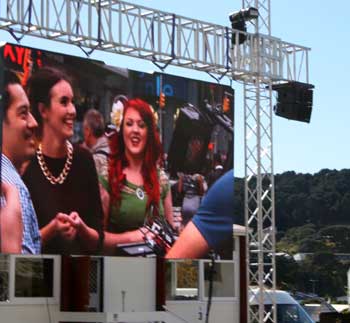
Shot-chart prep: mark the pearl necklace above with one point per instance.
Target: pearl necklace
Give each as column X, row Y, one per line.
column 48, row 175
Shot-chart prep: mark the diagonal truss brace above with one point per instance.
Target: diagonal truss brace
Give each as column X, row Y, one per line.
column 129, row 29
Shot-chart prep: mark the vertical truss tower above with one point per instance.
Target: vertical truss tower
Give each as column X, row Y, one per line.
column 165, row 38
column 259, row 177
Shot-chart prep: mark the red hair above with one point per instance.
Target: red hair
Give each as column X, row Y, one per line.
column 153, row 149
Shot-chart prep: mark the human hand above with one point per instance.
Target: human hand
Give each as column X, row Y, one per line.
column 65, row 226
column 75, row 220
column 105, row 199
column 142, row 234
column 145, row 234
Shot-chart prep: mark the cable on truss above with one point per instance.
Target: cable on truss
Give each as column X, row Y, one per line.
column 29, row 24
column 154, row 59
column 217, row 79
column 227, row 58
column 99, row 40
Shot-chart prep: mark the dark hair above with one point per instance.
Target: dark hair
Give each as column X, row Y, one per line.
column 153, row 152
column 39, row 88
column 10, row 78
column 94, row 120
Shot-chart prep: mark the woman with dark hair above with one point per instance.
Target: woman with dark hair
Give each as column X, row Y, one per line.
column 138, row 188
column 61, row 178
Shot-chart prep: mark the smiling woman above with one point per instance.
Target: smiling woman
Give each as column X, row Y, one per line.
column 138, row 187
column 62, row 179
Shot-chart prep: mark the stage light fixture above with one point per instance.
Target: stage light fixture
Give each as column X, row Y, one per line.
column 294, row 100
column 238, row 21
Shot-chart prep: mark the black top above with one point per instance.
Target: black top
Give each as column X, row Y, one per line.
column 79, row 192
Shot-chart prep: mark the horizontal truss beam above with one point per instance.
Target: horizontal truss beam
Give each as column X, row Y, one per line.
column 128, row 29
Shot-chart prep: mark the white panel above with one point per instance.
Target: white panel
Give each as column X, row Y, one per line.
column 129, row 284
column 27, row 313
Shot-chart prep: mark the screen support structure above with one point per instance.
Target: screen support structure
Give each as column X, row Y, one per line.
column 158, row 36
column 259, row 178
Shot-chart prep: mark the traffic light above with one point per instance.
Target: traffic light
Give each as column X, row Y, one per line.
column 226, row 104
column 161, row 100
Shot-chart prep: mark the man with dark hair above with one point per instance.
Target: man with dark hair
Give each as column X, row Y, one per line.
column 95, row 140
column 19, row 146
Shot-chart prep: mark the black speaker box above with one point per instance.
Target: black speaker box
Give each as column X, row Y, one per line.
column 294, row 101
column 294, row 111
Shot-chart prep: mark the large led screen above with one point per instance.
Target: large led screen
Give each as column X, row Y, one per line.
column 112, row 161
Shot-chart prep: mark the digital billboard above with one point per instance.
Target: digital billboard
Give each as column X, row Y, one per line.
column 114, row 161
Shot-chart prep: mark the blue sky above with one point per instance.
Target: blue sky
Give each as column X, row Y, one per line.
column 318, row 24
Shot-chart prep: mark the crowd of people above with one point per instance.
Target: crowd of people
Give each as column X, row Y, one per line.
column 60, row 198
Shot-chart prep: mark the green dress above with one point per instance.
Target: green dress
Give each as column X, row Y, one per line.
column 131, row 214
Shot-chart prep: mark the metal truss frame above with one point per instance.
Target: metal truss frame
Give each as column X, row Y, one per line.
column 259, row 178
column 128, row 29
column 263, row 24
column 165, row 38
column 259, row 200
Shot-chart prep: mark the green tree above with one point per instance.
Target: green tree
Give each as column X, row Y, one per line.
column 292, row 239
column 328, row 273
column 286, row 271
column 338, row 236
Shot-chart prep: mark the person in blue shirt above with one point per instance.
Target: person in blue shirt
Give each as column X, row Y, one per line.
column 18, row 146
column 211, row 226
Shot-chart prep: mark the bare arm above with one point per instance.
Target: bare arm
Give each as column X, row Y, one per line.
column 200, row 181
column 180, row 184
column 89, row 236
column 214, row 218
column 105, row 199
column 70, row 227
column 59, row 225
column 190, row 244
column 11, row 221
column 48, row 232
column 168, row 208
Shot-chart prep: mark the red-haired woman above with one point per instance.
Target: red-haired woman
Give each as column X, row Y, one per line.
column 137, row 186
